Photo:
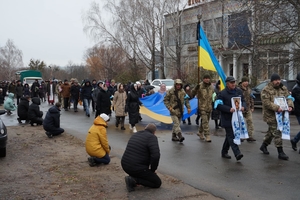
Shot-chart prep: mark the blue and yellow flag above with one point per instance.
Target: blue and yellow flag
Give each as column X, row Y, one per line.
column 206, row 57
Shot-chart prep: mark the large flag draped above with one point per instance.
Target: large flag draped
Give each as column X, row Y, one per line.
column 206, row 57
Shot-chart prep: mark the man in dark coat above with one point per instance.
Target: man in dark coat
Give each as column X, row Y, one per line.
column 140, row 159
column 75, row 93
column 226, row 115
column 23, row 109
column 112, row 88
column 51, row 122
column 34, row 113
column 19, row 91
column 35, row 87
column 103, row 104
column 86, row 96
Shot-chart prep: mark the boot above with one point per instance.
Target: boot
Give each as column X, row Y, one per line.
column 281, row 154
column 174, row 137
column 294, row 145
column 207, row 138
column 180, row 137
column 122, row 123
column 264, row 149
column 19, row 120
column 201, row 136
column 117, row 121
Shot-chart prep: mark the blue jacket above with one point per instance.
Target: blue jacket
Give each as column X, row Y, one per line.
column 9, row 103
column 226, row 95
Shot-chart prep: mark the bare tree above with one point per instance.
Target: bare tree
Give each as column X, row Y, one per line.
column 11, row 58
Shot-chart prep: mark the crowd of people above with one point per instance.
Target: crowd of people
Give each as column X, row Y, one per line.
column 141, row 157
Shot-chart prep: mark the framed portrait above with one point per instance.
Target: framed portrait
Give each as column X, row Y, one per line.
column 281, row 101
column 236, row 103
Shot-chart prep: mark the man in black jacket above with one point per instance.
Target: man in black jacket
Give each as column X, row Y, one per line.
column 34, row 113
column 226, row 115
column 51, row 122
column 296, row 95
column 23, row 109
column 140, row 159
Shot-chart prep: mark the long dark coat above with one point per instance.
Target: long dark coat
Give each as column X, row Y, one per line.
column 133, row 105
column 34, row 109
column 23, row 108
column 103, row 104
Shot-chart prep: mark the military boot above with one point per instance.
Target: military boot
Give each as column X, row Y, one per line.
column 174, row 137
column 207, row 138
column 281, row 154
column 264, row 149
column 180, row 137
column 201, row 135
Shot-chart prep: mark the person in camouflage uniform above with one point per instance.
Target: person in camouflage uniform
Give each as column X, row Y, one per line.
column 174, row 101
column 250, row 107
column 204, row 93
column 272, row 90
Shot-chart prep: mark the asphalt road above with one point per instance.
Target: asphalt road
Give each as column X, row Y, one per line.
column 199, row 164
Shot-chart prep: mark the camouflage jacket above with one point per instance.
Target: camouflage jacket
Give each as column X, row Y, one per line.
column 170, row 101
column 247, row 97
column 204, row 93
column 268, row 95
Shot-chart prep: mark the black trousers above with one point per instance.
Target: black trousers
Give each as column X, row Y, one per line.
column 55, row 131
column 229, row 142
column 146, row 178
column 66, row 103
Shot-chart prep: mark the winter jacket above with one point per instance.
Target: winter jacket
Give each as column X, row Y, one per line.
column 19, row 90
column 75, row 91
column 170, row 101
column 226, row 95
column 65, row 90
column 296, row 95
column 52, row 119
column 133, row 105
column 204, row 93
column 142, row 152
column 268, row 95
column 35, row 87
column 9, row 103
column 112, row 89
column 248, row 99
column 86, row 91
column 96, row 143
column 34, row 109
column 119, row 102
column 26, row 90
column 103, row 104
column 23, row 108
column 53, row 88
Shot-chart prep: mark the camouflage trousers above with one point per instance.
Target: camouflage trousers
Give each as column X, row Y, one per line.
column 176, row 124
column 273, row 133
column 204, row 127
column 249, row 121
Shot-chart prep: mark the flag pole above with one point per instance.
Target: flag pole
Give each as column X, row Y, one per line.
column 199, row 16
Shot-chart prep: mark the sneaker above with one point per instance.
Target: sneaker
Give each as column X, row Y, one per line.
column 130, row 127
column 239, row 156
column 134, row 129
column 92, row 162
column 130, row 183
column 49, row 134
column 294, row 145
column 226, row 156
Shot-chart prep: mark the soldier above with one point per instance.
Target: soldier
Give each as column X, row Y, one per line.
column 250, row 107
column 204, row 93
column 174, row 101
column 272, row 90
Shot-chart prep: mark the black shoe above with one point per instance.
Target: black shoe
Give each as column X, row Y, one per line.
column 88, row 115
column 251, row 140
column 19, row 120
column 183, row 122
column 123, row 128
column 117, row 124
column 49, row 134
column 31, row 123
column 189, row 123
column 197, row 122
column 226, row 156
column 27, row 121
column 92, row 162
column 130, row 183
column 294, row 145
column 282, row 156
column 264, row 149
column 242, row 140
column 239, row 156
column 175, row 139
column 181, row 139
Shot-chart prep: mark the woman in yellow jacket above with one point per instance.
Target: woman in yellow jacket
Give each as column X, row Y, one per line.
column 96, row 143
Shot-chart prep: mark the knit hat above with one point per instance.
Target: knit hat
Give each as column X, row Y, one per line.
column 230, row 79
column 105, row 117
column 151, row 127
column 275, row 77
column 245, row 79
column 206, row 76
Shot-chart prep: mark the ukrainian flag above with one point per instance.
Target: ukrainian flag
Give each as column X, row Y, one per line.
column 206, row 57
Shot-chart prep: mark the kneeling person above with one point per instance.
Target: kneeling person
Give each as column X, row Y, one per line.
column 52, row 121
column 141, row 152
column 96, row 143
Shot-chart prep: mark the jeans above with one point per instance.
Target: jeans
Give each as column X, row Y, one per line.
column 104, row 160
column 86, row 105
column 229, row 142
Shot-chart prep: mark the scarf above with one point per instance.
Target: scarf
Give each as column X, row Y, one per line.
column 238, row 124
column 282, row 118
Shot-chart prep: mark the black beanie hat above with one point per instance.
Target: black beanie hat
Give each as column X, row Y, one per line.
column 275, row 77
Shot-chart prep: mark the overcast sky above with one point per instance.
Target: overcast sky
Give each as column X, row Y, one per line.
column 48, row 30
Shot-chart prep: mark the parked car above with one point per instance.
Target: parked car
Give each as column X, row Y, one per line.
column 157, row 82
column 3, row 136
column 257, row 89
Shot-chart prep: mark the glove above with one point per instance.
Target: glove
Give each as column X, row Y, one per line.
column 189, row 111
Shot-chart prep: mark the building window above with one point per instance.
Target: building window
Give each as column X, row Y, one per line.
column 246, row 69
column 189, row 33
column 171, row 37
column 230, row 69
column 213, row 29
